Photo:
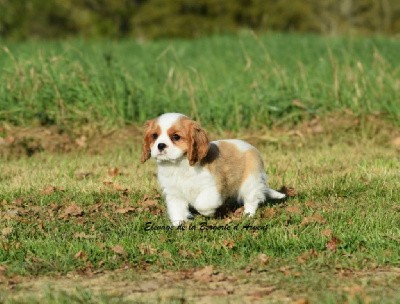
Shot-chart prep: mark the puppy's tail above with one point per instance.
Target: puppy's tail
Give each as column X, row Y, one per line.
column 271, row 193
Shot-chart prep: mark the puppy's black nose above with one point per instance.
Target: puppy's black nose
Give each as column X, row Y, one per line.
column 161, row 146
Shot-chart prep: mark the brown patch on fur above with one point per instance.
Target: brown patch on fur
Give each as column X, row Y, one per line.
column 148, row 140
column 231, row 166
column 180, row 128
column 193, row 139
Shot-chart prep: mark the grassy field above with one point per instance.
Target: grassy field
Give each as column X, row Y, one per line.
column 82, row 220
column 230, row 82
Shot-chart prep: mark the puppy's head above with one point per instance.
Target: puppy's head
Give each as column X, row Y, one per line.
column 173, row 136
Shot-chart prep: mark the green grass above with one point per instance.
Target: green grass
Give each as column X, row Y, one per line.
column 231, row 82
column 352, row 184
column 336, row 240
column 355, row 191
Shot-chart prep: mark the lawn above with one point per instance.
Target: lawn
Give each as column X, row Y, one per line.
column 83, row 221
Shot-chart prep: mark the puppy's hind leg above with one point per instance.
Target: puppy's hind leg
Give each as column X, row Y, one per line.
column 252, row 192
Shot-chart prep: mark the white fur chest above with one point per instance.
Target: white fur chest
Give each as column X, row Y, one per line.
column 184, row 181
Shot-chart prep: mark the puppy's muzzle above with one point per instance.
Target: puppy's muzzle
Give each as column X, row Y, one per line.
column 161, row 146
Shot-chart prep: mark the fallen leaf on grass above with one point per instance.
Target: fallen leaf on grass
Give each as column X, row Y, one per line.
column 301, row 301
column 293, row 209
column 2, row 270
column 289, row 191
column 150, row 205
column 238, row 212
column 396, row 142
column 81, row 141
column 115, row 186
column 228, row 243
column 72, row 210
column 263, row 259
column 125, row 210
column 327, row 232
column 49, row 189
column 316, row 218
column 113, row 172
column 265, row 291
column 285, row 270
column 80, row 255
column 311, row 204
column 305, row 256
column 332, row 244
column 118, row 249
column 3, row 278
column 6, row 231
column 299, row 104
column 207, row 274
column 147, row 249
column 268, row 213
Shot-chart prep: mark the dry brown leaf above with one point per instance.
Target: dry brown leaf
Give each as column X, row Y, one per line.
column 265, row 291
column 332, row 244
column 205, row 274
column 268, row 213
column 289, row 191
column 396, row 142
column 327, row 232
column 311, row 204
column 293, row 209
column 301, row 301
column 285, row 270
column 7, row 231
column 228, row 243
column 120, row 188
column 125, row 210
column 3, row 270
column 113, row 172
column 238, row 212
column 72, row 210
column 80, row 255
column 81, row 141
column 298, row 103
column 248, row 269
column 147, row 249
column 119, row 250
column 148, row 203
column 49, row 189
column 305, row 256
column 316, row 218
column 115, row 186
column 263, row 259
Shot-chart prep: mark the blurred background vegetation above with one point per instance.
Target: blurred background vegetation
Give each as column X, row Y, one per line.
column 149, row 19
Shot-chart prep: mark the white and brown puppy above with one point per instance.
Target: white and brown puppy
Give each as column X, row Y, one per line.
column 195, row 172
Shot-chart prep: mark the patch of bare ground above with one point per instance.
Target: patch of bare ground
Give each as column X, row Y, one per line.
column 19, row 141
column 207, row 285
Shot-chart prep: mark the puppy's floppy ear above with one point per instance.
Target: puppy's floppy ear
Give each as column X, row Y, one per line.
column 198, row 143
column 147, row 140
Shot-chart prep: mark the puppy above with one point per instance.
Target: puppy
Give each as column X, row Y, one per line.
column 195, row 172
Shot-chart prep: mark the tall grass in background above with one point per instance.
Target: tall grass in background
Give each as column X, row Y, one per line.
column 233, row 82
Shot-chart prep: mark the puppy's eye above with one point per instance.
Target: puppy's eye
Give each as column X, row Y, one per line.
column 154, row 136
column 175, row 137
